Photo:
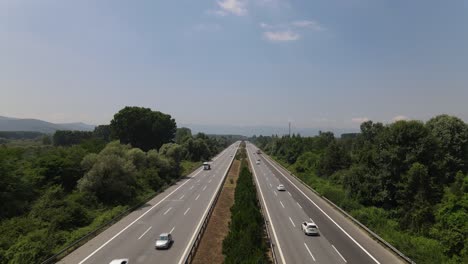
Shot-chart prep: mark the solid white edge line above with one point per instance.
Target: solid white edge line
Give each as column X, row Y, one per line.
column 339, row 253
column 267, row 212
column 134, row 221
column 359, row 245
column 145, row 232
column 182, row 259
column 309, row 251
column 292, row 222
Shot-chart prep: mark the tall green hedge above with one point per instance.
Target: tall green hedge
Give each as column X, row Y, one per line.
column 245, row 242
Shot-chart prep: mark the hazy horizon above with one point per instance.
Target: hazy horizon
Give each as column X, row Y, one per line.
column 323, row 64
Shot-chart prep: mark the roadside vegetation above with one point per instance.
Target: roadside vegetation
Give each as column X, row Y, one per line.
column 407, row 181
column 56, row 191
column 245, row 242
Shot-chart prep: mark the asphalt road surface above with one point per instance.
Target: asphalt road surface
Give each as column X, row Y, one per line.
column 340, row 240
column 179, row 210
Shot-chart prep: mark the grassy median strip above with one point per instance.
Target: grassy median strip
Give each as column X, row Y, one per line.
column 245, row 242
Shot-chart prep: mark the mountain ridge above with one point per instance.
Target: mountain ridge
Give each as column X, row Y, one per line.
column 37, row 125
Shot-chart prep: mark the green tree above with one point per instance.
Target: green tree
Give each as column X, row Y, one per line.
column 15, row 192
column 57, row 209
column 68, row 138
column 111, row 179
column 103, row 132
column 197, row 149
column 307, row 162
column 416, row 197
column 173, row 151
column 334, row 158
column 451, row 227
column 33, row 247
column 143, row 128
column 46, row 140
column 452, row 134
column 182, row 135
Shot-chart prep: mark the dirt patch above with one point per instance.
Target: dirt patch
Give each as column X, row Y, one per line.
column 211, row 245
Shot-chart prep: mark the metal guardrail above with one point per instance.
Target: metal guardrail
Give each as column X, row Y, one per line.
column 199, row 236
column 272, row 245
column 370, row 232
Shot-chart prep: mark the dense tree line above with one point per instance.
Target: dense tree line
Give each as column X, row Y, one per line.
column 245, row 242
column 20, row 134
column 54, row 194
column 412, row 173
column 68, row 137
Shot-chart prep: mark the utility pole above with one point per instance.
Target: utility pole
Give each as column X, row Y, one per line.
column 289, row 128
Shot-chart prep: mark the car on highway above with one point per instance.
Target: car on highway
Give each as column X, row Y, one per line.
column 164, row 241
column 257, row 162
column 119, row 261
column 281, row 187
column 206, row 166
column 309, row 228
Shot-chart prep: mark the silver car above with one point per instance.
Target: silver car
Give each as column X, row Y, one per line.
column 310, row 228
column 164, row 241
column 281, row 188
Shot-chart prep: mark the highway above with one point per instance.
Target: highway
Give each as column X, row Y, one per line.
column 180, row 210
column 340, row 240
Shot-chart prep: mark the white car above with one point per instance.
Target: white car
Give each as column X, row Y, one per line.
column 257, row 162
column 281, row 187
column 119, row 261
column 309, row 228
column 164, row 241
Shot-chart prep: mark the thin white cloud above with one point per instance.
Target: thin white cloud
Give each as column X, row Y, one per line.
column 272, row 3
column 400, row 117
column 289, row 31
column 281, row 36
column 359, row 120
column 265, row 25
column 314, row 25
column 218, row 12
column 235, row 7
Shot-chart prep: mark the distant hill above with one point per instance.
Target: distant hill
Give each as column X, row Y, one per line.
column 19, row 124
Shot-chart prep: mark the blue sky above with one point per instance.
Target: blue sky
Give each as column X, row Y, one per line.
column 319, row 64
